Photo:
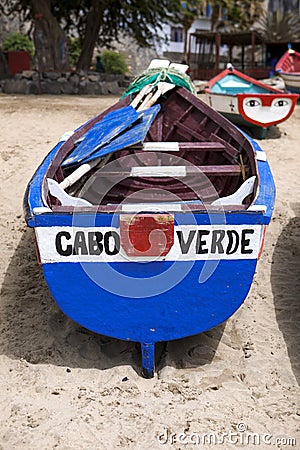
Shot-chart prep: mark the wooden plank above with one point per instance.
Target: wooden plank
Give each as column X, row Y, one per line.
column 156, row 131
column 190, row 132
column 185, row 114
column 229, row 149
column 116, row 208
column 176, row 146
column 208, row 145
column 158, row 171
column 171, row 171
column 213, row 115
column 230, row 170
column 202, row 124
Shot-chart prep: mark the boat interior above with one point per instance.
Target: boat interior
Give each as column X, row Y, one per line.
column 232, row 84
column 291, row 63
column 191, row 155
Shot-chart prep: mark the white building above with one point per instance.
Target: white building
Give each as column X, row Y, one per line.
column 174, row 46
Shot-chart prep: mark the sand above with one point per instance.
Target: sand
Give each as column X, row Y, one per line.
column 63, row 387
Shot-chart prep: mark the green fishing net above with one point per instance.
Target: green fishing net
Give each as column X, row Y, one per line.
column 154, row 76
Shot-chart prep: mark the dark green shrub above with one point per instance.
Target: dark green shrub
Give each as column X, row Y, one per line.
column 74, row 51
column 114, row 62
column 18, row 42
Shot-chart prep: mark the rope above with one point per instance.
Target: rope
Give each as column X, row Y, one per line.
column 154, row 76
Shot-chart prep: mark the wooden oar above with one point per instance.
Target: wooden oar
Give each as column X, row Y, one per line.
column 138, row 134
column 165, row 87
column 152, row 97
column 57, row 189
column 146, row 89
column 102, row 133
column 82, row 170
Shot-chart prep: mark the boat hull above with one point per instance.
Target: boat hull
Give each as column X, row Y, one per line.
column 200, row 283
column 248, row 102
column 150, row 301
column 292, row 82
column 229, row 107
column 288, row 67
column 207, row 263
column 187, row 308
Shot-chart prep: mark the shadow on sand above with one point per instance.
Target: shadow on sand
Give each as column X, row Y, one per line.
column 272, row 132
column 34, row 328
column 285, row 279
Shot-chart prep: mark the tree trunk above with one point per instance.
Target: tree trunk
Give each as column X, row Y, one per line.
column 49, row 39
column 93, row 24
column 185, row 43
column 216, row 14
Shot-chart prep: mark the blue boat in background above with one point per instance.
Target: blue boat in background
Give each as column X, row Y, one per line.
column 150, row 218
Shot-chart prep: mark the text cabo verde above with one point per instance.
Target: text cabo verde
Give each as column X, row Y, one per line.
column 95, row 242
column 92, row 243
column 191, row 242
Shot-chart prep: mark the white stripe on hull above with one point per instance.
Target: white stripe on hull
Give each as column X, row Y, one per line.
column 191, row 243
column 291, row 80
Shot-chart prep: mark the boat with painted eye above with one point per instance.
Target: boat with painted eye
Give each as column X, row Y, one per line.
column 288, row 67
column 248, row 102
column 150, row 217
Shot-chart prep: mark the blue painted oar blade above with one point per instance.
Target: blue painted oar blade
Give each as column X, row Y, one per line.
column 110, row 116
column 113, row 124
column 135, row 135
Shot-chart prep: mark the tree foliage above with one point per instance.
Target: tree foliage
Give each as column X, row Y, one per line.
column 235, row 14
column 101, row 22
column 279, row 27
column 92, row 21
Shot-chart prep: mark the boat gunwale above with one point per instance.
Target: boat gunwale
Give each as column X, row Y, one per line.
column 52, row 171
column 288, row 55
column 241, row 75
column 38, row 215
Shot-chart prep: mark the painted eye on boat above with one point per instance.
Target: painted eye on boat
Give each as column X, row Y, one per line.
column 253, row 103
column 280, row 103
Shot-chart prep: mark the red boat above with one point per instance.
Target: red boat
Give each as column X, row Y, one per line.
column 288, row 68
column 247, row 102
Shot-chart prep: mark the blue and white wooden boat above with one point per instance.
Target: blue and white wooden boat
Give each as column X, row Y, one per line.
column 248, row 102
column 149, row 220
column 288, row 67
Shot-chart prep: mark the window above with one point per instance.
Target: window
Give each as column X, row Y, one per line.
column 177, row 34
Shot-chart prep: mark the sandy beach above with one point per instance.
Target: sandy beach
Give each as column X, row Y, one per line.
column 63, row 387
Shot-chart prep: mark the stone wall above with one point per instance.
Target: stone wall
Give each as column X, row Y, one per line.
column 81, row 83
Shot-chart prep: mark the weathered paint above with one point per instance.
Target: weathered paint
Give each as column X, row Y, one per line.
column 108, row 244
column 198, row 286
column 179, row 306
column 102, row 133
column 134, row 135
column 147, row 359
column 249, row 102
column 288, row 67
column 266, row 109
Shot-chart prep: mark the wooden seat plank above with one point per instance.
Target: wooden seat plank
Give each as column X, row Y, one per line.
column 171, row 171
column 177, row 146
